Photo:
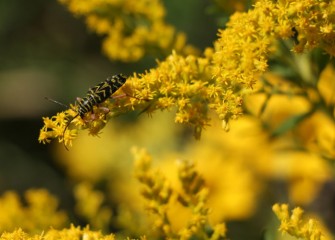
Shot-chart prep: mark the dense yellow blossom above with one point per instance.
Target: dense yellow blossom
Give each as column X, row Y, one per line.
column 131, row 28
column 185, row 84
column 219, row 79
column 182, row 83
column 295, row 225
column 243, row 47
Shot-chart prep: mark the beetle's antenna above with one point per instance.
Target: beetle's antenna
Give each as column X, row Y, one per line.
column 54, row 101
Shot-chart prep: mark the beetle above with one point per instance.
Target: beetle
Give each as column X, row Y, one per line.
column 96, row 95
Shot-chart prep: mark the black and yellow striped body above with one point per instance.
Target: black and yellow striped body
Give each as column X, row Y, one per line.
column 96, row 95
column 99, row 93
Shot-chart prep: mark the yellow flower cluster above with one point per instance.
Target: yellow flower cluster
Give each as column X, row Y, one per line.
column 159, row 194
column 312, row 21
column 72, row 233
column 216, row 81
column 183, row 83
column 187, row 85
column 244, row 46
column 39, row 214
column 132, row 28
column 294, row 224
column 57, row 126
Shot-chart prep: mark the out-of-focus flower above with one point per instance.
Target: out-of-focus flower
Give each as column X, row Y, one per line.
column 39, row 214
column 131, row 28
column 161, row 198
column 89, row 205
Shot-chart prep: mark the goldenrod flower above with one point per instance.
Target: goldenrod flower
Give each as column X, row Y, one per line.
column 295, row 225
column 61, row 125
column 219, row 79
column 184, row 83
